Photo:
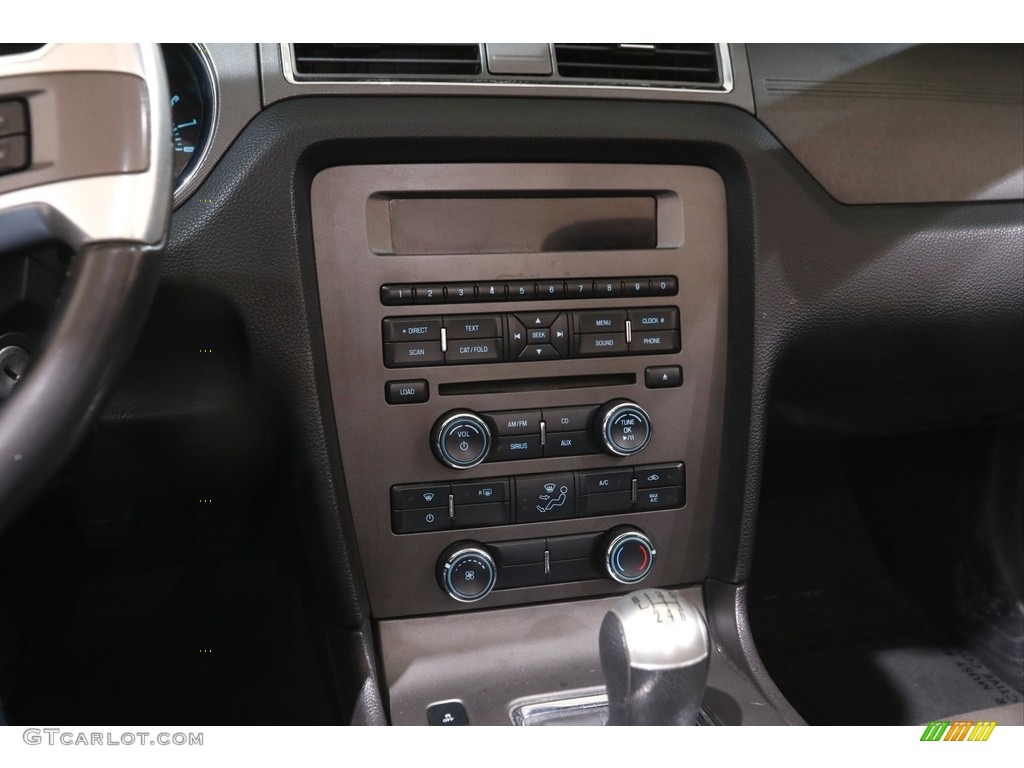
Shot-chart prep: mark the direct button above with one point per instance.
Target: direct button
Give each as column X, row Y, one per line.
column 412, row 328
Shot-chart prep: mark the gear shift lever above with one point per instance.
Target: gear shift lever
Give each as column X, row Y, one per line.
column 654, row 653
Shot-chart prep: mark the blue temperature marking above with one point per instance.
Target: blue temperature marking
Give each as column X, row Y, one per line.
column 186, row 125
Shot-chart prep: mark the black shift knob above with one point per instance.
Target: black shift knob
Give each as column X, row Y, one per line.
column 654, row 654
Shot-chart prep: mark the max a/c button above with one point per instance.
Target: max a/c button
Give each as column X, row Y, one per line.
column 403, row 392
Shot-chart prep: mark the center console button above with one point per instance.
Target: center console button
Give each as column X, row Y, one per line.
column 659, row 475
column 412, row 353
column 554, row 289
column 480, row 491
column 539, row 352
column 518, row 552
column 654, row 341
column 664, row 286
column 605, row 480
column 607, row 289
column 569, row 444
column 568, row 419
column 477, row 515
column 560, row 334
column 419, row 520
column 419, row 496
column 516, row 422
column 579, row 289
column 537, row 319
column 545, row 497
column 472, row 326
column 606, row 504
column 515, row 447
column 461, row 351
column 601, row 344
column 430, row 294
column 521, row 289
column 656, row 319
column 516, row 337
column 538, row 335
column 602, row 321
column 412, row 328
column 636, row 286
column 460, row 292
column 490, row 291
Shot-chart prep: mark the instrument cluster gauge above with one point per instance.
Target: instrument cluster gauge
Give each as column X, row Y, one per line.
column 193, row 108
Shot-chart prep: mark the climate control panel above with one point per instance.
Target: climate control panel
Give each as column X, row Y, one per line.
column 468, row 571
column 424, row 507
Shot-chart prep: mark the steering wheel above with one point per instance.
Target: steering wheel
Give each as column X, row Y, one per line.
column 85, row 159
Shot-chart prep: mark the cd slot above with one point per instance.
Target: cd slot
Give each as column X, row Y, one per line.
column 536, row 384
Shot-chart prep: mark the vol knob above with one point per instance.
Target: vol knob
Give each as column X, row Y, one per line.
column 623, row 427
column 460, row 439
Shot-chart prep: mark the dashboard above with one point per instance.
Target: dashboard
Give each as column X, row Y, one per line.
column 478, row 338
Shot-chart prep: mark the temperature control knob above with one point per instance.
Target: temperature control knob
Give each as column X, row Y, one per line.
column 628, row 554
column 466, row 571
column 623, row 427
column 460, row 439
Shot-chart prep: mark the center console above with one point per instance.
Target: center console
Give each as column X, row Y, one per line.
column 527, row 365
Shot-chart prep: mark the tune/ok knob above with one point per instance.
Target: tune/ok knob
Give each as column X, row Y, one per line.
column 466, row 571
column 623, row 427
column 460, row 439
column 628, row 554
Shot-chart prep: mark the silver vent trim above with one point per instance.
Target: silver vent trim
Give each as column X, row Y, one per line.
column 487, row 80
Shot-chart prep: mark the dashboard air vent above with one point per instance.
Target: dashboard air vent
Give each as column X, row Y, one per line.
column 684, row 64
column 331, row 61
